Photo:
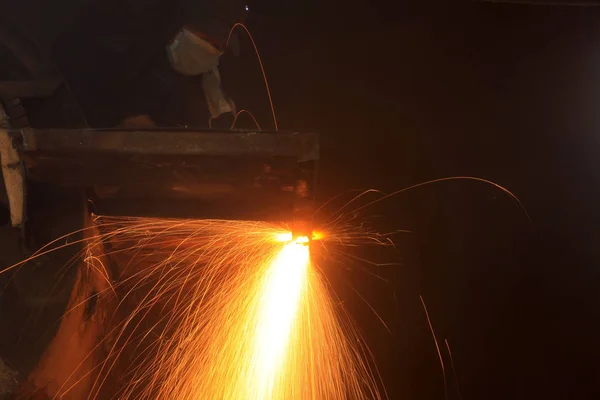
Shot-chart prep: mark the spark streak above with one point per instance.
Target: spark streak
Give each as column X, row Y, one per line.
column 213, row 309
column 210, row 309
column 277, row 311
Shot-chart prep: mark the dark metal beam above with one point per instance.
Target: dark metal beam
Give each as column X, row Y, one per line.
column 301, row 146
column 179, row 173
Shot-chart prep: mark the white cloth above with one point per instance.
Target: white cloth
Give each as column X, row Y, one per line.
column 191, row 55
column 217, row 101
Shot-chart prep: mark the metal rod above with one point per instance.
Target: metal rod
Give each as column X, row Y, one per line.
column 301, row 146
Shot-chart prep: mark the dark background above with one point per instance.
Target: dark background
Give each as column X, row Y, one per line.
column 403, row 93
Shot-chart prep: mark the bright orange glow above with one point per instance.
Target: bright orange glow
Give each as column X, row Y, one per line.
column 283, row 236
column 318, row 236
column 277, row 311
column 287, row 236
column 218, row 309
column 302, row 240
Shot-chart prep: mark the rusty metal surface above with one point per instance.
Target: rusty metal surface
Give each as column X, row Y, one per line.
column 300, row 146
column 177, row 173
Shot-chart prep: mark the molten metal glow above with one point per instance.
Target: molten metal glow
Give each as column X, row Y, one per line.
column 218, row 310
column 277, row 312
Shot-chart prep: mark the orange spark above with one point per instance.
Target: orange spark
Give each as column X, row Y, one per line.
column 277, row 311
column 216, row 310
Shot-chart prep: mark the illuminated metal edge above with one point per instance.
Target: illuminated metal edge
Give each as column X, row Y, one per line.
column 150, row 168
